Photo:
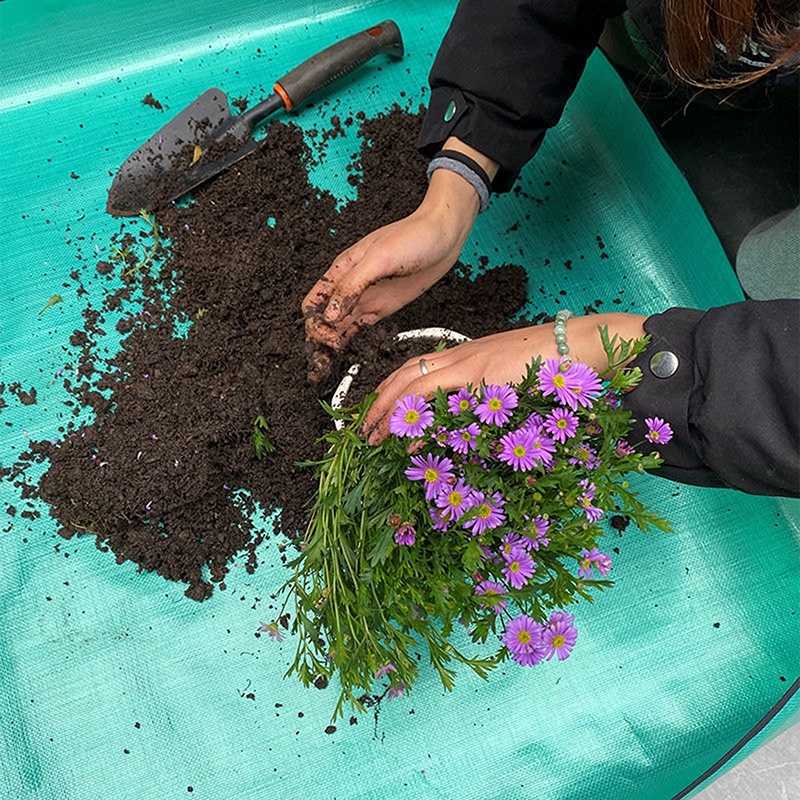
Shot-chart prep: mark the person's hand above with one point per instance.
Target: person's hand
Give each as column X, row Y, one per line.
column 391, row 266
column 496, row 359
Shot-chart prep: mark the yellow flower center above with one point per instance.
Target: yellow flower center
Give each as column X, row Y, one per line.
column 586, row 563
column 513, row 566
column 519, row 451
column 562, row 423
column 484, row 510
column 411, row 416
column 654, row 434
column 558, row 381
column 495, row 404
column 583, row 454
column 523, row 637
column 463, row 404
column 466, row 436
column 454, row 498
column 431, row 475
column 558, row 641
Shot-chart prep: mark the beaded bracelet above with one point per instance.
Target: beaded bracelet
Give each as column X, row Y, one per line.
column 560, row 331
column 468, row 169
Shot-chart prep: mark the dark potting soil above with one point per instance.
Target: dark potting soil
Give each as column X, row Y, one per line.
column 167, row 474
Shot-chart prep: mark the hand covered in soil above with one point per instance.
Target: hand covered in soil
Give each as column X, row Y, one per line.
column 496, row 359
column 388, row 268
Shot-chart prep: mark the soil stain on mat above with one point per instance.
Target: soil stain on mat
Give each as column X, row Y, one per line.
column 166, row 476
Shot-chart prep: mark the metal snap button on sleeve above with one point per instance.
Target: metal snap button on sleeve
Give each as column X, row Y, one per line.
column 664, row 364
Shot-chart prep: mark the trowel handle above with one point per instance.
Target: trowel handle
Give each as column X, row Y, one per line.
column 336, row 61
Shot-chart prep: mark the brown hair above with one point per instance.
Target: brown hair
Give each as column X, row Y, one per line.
column 695, row 28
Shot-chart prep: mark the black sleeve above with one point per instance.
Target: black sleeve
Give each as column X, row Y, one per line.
column 734, row 400
column 504, row 73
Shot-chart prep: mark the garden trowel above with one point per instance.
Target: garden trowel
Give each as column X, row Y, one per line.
column 206, row 137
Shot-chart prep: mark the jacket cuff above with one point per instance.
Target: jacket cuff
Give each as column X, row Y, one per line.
column 453, row 112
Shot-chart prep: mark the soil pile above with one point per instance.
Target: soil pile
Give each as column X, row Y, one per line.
column 166, row 474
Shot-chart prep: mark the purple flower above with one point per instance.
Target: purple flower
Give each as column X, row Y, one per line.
column 533, row 424
column 585, row 500
column 658, row 431
column 583, row 384
column 603, row 563
column 440, row 518
column 517, row 449
column 543, row 449
column 561, row 424
column 573, row 384
column 518, row 569
column 623, row 449
column 552, row 377
column 497, row 404
column 463, row 439
column 534, row 533
column 488, row 513
column 405, row 534
column 492, row 589
column 411, row 417
column 585, row 456
column 434, row 470
column 523, row 638
column 385, row 670
column 272, row 629
column 512, row 542
column 454, row 500
column 396, row 691
column 586, row 562
column 463, row 400
column 559, row 636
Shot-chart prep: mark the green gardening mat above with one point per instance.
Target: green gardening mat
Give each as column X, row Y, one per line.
column 114, row 685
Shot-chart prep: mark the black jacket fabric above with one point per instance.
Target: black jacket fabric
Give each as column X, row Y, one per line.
column 504, row 73
column 734, row 401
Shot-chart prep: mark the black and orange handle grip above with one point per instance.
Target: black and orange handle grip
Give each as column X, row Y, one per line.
column 304, row 81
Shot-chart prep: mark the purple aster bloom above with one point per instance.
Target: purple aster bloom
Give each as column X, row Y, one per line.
column 488, row 513
column 658, row 431
column 441, row 436
column 463, row 439
column 511, row 542
column 585, row 456
column 624, row 449
column 533, row 424
column 535, row 533
column 455, row 500
column 492, row 589
column 523, row 638
column 586, row 562
column 497, row 404
column 434, row 470
column 385, row 670
column 559, row 636
column 272, row 629
column 405, row 534
column 519, row 568
column 561, row 424
column 585, row 500
column 584, row 384
column 518, row 449
column 603, row 563
column 543, row 449
column 463, row 400
column 440, row 518
column 411, row 417
column 397, row 691
column 611, row 399
column 552, row 377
